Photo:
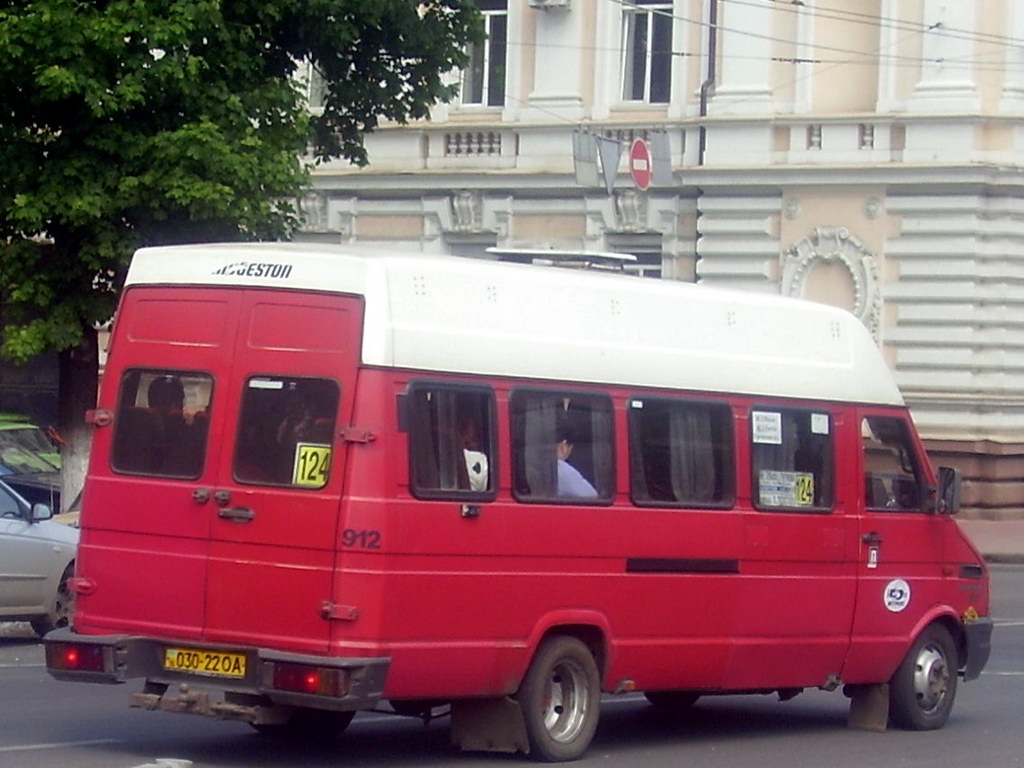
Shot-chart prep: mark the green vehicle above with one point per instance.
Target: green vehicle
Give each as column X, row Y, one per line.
column 16, row 430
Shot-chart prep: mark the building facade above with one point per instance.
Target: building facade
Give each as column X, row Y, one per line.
column 864, row 153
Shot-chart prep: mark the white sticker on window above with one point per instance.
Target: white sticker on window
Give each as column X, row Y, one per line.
column 819, row 423
column 767, row 427
column 265, row 384
column 785, row 489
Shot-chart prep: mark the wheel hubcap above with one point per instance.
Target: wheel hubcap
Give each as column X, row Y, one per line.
column 565, row 702
column 931, row 678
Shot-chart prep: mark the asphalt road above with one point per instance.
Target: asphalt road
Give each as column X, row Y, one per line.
column 47, row 723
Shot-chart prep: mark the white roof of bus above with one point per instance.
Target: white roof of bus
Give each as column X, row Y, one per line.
column 446, row 313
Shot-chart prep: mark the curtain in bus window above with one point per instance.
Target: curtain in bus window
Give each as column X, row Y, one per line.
column 693, row 470
column 602, row 450
column 162, row 422
column 541, row 419
column 286, row 431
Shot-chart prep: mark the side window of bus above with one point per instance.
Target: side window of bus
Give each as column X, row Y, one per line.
column 892, row 476
column 792, row 453
column 562, row 447
column 681, row 453
column 162, row 423
column 286, row 431
column 451, row 441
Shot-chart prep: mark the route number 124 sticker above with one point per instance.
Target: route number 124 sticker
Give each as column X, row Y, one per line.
column 312, row 463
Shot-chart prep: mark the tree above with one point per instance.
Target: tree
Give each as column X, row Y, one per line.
column 138, row 122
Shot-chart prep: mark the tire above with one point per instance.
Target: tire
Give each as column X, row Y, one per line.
column 63, row 606
column 560, row 699
column 922, row 690
column 315, row 724
column 672, row 701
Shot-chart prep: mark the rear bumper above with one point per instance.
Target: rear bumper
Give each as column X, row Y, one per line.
column 119, row 658
column 978, row 634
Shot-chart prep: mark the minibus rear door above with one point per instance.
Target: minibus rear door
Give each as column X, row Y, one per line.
column 275, row 503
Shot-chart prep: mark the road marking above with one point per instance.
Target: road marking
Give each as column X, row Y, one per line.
column 1009, row 623
column 57, row 745
column 1004, row 674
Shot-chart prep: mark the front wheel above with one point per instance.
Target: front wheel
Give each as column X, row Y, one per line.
column 922, row 690
column 560, row 699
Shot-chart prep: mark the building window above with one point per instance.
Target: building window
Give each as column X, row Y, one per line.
column 647, row 51
column 483, row 81
column 451, row 441
column 793, row 459
column 680, row 453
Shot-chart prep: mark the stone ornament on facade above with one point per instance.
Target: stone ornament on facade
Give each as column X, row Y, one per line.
column 837, row 245
column 630, row 211
column 313, row 209
column 467, row 211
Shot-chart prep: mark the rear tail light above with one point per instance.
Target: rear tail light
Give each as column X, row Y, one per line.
column 76, row 657
column 307, row 678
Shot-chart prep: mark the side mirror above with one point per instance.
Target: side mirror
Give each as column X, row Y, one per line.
column 947, row 499
column 41, row 512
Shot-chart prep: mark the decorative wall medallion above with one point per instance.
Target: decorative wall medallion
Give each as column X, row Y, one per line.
column 836, row 245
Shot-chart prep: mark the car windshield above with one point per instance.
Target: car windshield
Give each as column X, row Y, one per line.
column 15, row 460
column 27, row 436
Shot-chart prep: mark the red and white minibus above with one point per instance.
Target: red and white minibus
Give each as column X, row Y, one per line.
column 323, row 479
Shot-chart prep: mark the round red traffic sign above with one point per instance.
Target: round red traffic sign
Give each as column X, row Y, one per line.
column 640, row 164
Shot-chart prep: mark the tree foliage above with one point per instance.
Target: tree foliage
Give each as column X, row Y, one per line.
column 133, row 122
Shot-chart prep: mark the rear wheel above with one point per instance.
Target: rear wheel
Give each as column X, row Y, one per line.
column 921, row 692
column 560, row 699
column 63, row 606
column 309, row 724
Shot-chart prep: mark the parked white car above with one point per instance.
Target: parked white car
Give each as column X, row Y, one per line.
column 37, row 557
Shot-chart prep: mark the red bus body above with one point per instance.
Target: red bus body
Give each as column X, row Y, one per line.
column 366, row 588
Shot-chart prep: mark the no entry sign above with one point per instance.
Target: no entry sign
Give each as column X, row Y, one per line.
column 640, row 164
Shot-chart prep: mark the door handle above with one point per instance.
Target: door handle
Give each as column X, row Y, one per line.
column 872, row 539
column 236, row 514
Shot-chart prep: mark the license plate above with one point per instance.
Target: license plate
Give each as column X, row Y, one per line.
column 204, row 662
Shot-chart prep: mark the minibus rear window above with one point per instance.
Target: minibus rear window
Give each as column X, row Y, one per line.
column 793, row 459
column 162, row 423
column 286, row 431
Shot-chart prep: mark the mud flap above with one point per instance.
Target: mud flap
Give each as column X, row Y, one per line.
column 869, row 707
column 488, row 725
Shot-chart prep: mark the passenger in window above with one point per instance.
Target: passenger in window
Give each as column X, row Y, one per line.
column 476, row 460
column 571, row 482
column 169, row 430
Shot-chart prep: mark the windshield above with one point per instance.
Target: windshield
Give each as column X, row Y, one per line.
column 27, row 436
column 15, row 460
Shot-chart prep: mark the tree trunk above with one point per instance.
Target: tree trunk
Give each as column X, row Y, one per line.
column 77, row 389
